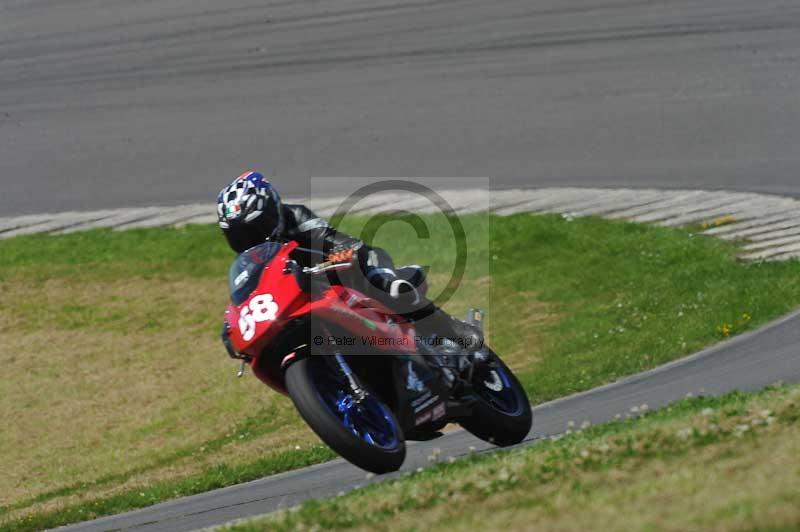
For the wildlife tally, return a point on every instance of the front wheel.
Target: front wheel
(502, 413)
(366, 432)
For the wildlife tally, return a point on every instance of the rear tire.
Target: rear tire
(500, 416)
(311, 385)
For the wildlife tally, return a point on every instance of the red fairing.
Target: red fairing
(367, 319)
(276, 295)
(278, 299)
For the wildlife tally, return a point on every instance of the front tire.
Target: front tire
(502, 413)
(366, 434)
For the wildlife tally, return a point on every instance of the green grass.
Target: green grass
(194, 251)
(632, 296)
(121, 331)
(727, 463)
(263, 422)
(217, 476)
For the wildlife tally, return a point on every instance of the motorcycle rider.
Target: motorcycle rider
(250, 212)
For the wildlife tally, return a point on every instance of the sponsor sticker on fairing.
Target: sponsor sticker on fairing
(241, 278)
(426, 404)
(422, 418)
(413, 382)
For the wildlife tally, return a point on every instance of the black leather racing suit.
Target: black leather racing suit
(313, 232)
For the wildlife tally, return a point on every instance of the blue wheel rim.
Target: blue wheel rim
(370, 420)
(505, 399)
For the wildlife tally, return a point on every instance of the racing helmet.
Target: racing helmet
(249, 211)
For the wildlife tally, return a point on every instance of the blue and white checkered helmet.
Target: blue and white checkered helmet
(249, 211)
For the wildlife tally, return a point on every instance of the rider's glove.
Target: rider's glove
(341, 255)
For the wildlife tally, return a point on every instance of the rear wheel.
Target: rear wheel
(502, 413)
(364, 432)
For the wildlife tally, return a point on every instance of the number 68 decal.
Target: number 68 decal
(261, 308)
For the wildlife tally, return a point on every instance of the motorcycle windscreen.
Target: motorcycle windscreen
(245, 272)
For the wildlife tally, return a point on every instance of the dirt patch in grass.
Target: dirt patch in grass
(114, 375)
(235, 453)
(173, 306)
(522, 339)
(516, 321)
(97, 368)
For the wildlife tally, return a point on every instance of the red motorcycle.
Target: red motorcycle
(356, 371)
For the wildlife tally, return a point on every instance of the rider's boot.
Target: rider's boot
(430, 319)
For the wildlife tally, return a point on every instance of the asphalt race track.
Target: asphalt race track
(747, 362)
(119, 103)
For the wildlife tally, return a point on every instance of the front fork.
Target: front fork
(359, 394)
(358, 391)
